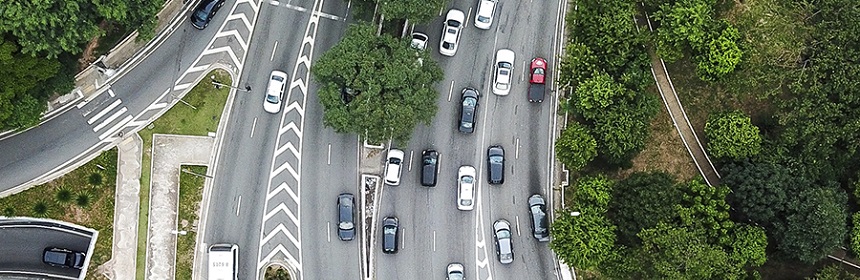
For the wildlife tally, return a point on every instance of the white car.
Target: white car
(419, 41)
(466, 188)
(451, 32)
(504, 72)
(484, 14)
(393, 167)
(277, 84)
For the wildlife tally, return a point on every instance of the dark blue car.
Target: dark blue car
(204, 12)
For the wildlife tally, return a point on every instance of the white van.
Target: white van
(223, 262)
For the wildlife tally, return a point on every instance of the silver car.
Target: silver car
(456, 271)
(504, 245)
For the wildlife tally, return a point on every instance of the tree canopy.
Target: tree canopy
(21, 102)
(575, 147)
(416, 11)
(52, 27)
(761, 190)
(640, 202)
(815, 225)
(732, 136)
(376, 86)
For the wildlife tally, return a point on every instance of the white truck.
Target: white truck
(223, 262)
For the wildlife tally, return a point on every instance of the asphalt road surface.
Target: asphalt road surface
(25, 242)
(257, 201)
(433, 232)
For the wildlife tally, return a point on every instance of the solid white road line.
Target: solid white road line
(329, 154)
(328, 231)
(517, 154)
(253, 126)
(274, 50)
(116, 127)
(238, 205)
(110, 119)
(112, 94)
(450, 90)
(434, 241)
(104, 111)
(468, 16)
(411, 154)
(518, 225)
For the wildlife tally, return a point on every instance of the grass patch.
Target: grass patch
(56, 200)
(190, 194)
(185, 120)
(664, 151)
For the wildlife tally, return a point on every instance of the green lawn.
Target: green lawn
(208, 103)
(84, 196)
(190, 194)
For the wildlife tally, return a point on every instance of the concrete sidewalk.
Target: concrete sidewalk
(169, 152)
(123, 261)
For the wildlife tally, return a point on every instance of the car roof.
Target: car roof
(505, 55)
(486, 8)
(456, 15)
(496, 150)
(395, 153)
(536, 199)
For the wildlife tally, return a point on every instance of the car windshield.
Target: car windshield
(346, 225)
(394, 161)
(483, 19)
(389, 230)
(469, 102)
(452, 23)
(271, 99)
(496, 159)
(505, 65)
(429, 160)
(448, 46)
(278, 78)
(467, 179)
(503, 234)
(200, 15)
(466, 202)
(538, 71)
(456, 275)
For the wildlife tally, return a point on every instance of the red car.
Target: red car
(537, 81)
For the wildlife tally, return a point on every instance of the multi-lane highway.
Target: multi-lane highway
(434, 232)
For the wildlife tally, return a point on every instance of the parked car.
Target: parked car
(539, 217)
(419, 41)
(456, 271)
(468, 110)
(390, 226)
(537, 82)
(275, 91)
(429, 167)
(346, 216)
(504, 72)
(204, 12)
(496, 164)
(451, 32)
(466, 188)
(66, 258)
(504, 245)
(484, 13)
(393, 167)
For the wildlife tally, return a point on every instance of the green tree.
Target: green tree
(20, 105)
(681, 253)
(733, 136)
(53, 27)
(417, 11)
(748, 247)
(575, 147)
(816, 224)
(593, 192)
(641, 201)
(391, 85)
(684, 26)
(595, 95)
(705, 208)
(855, 233)
(721, 55)
(833, 272)
(583, 241)
(761, 190)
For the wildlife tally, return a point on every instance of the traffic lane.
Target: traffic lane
(23, 248)
(329, 168)
(40, 150)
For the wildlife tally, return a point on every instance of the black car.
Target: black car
(204, 12)
(389, 235)
(63, 258)
(496, 164)
(346, 216)
(468, 110)
(429, 167)
(540, 223)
